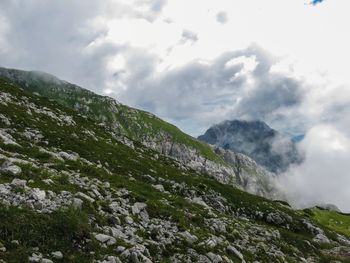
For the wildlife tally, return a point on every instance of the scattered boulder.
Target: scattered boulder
(68, 156)
(117, 233)
(149, 178)
(15, 242)
(233, 251)
(57, 254)
(129, 220)
(120, 249)
(48, 181)
(321, 238)
(105, 239)
(11, 168)
(18, 183)
(77, 203)
(274, 218)
(214, 258)
(35, 257)
(138, 207)
(114, 220)
(86, 197)
(111, 259)
(317, 232)
(38, 194)
(159, 187)
(188, 237)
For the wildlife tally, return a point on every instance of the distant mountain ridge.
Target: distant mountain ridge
(255, 139)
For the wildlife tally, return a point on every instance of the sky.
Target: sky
(197, 63)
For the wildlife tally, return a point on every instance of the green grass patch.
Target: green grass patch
(64, 230)
(333, 220)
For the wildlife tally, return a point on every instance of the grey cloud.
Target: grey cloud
(62, 38)
(150, 9)
(272, 93)
(188, 35)
(208, 93)
(222, 17)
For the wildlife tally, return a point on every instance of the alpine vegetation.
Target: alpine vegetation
(81, 183)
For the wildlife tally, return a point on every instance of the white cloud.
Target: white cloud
(324, 176)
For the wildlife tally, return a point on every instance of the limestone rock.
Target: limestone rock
(11, 168)
(57, 254)
(188, 237)
(105, 239)
(18, 183)
(233, 251)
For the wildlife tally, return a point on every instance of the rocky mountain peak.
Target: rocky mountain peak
(256, 139)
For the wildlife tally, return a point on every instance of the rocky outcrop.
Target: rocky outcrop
(235, 168)
(190, 157)
(249, 175)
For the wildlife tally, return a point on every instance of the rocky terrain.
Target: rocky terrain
(257, 140)
(75, 190)
(151, 131)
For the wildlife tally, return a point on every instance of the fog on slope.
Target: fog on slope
(324, 176)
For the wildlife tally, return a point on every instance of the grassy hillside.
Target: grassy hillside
(335, 221)
(70, 185)
(136, 124)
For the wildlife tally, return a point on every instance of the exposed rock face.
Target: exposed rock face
(266, 146)
(237, 169)
(188, 156)
(251, 176)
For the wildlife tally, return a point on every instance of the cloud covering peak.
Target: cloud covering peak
(238, 84)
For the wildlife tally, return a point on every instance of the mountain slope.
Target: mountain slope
(103, 109)
(146, 128)
(266, 146)
(78, 192)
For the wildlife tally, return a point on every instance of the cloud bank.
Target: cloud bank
(235, 85)
(324, 177)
